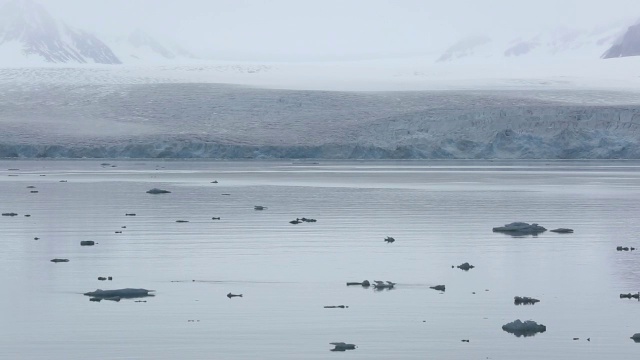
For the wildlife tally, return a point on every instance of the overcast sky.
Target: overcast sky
(333, 29)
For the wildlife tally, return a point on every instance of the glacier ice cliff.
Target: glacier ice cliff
(183, 120)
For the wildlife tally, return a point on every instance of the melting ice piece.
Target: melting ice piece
(119, 293)
(520, 228)
(527, 328)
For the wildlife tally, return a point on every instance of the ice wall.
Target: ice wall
(182, 120)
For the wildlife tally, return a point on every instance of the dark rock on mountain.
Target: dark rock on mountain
(28, 24)
(627, 45)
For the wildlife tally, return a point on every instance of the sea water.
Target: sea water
(440, 213)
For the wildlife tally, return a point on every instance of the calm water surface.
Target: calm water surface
(440, 213)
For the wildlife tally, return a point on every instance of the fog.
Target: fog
(294, 30)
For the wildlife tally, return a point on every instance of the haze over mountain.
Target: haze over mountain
(559, 44)
(30, 35)
(29, 32)
(119, 31)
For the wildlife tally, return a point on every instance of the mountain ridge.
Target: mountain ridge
(28, 23)
(29, 34)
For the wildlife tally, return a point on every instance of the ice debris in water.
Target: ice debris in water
(520, 228)
(527, 328)
(158, 191)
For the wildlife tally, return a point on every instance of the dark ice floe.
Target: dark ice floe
(562, 231)
(524, 300)
(381, 285)
(630, 296)
(625, 248)
(127, 293)
(520, 229)
(341, 346)
(466, 266)
(527, 328)
(158, 191)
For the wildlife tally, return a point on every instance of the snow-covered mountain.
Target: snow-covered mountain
(29, 34)
(562, 43)
(627, 45)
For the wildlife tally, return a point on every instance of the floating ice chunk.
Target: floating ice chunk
(520, 228)
(524, 300)
(527, 328)
(562, 231)
(158, 191)
(466, 266)
(340, 346)
(120, 293)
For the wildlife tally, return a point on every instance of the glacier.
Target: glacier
(102, 113)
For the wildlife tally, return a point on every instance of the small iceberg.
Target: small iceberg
(524, 300)
(630, 296)
(341, 346)
(625, 248)
(562, 231)
(527, 328)
(127, 293)
(158, 191)
(381, 285)
(520, 229)
(466, 266)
